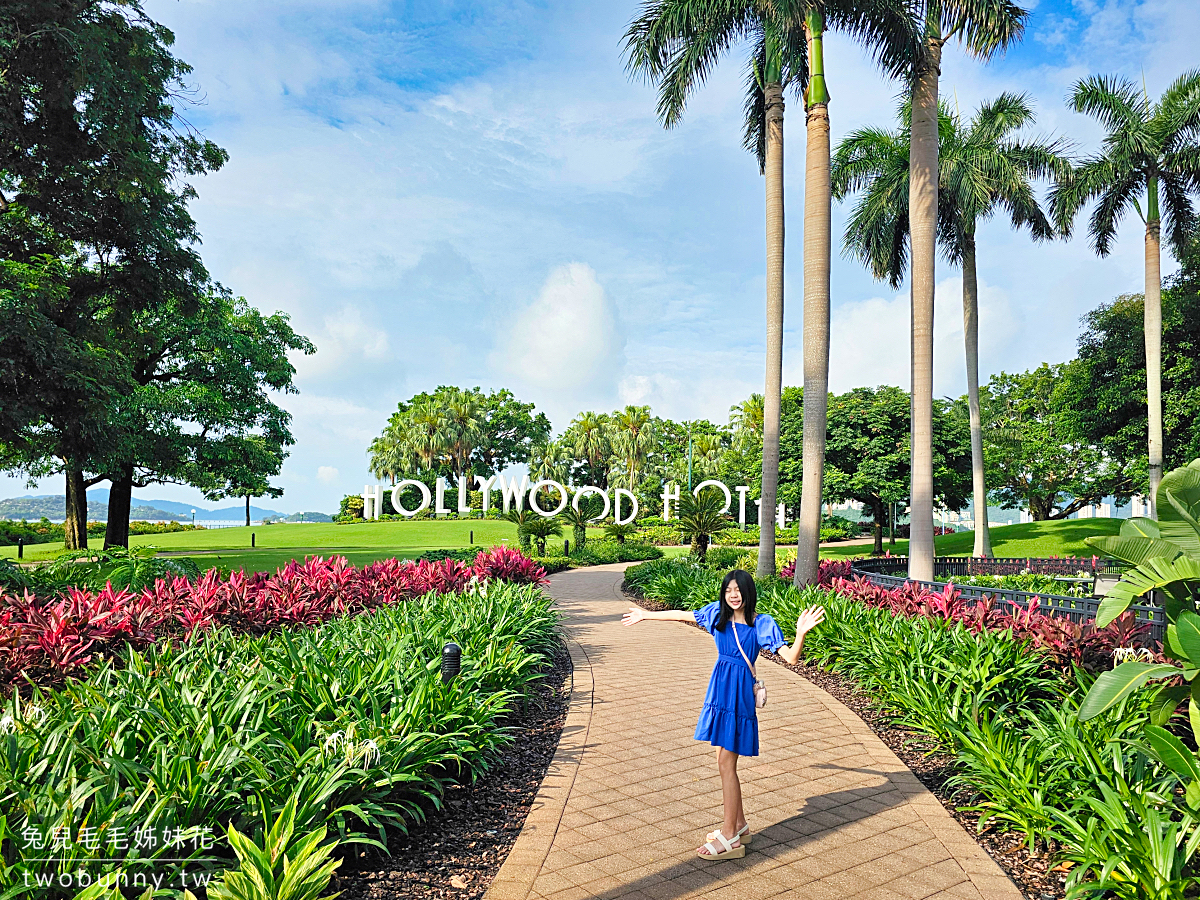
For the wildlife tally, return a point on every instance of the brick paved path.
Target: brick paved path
(630, 794)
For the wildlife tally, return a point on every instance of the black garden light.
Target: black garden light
(451, 661)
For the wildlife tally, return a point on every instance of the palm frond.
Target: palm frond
(1116, 102)
(1178, 214)
(987, 27)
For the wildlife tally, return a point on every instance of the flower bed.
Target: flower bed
(49, 638)
(347, 722)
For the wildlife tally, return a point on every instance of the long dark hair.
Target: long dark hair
(745, 584)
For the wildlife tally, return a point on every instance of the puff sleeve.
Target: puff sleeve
(706, 616)
(767, 630)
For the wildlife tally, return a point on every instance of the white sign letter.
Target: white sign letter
(728, 496)
(562, 503)
(464, 498)
(667, 496)
(513, 491)
(742, 491)
(485, 485)
(399, 489)
(440, 509)
(617, 494)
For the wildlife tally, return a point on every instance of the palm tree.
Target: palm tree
(463, 414)
(392, 454)
(521, 518)
(578, 519)
(1150, 149)
(539, 528)
(633, 435)
(700, 518)
(620, 532)
(985, 27)
(675, 44)
(983, 168)
(429, 433)
(589, 437)
(746, 419)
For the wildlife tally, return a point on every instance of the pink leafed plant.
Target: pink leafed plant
(49, 638)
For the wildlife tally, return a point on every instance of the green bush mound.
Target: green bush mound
(1090, 793)
(350, 720)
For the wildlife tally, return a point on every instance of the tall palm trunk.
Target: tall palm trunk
(983, 535)
(120, 497)
(773, 172)
(923, 204)
(1152, 325)
(818, 243)
(75, 526)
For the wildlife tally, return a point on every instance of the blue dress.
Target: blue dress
(729, 718)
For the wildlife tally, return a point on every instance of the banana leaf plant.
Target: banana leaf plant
(1165, 557)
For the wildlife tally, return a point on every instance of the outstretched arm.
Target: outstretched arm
(637, 614)
(809, 619)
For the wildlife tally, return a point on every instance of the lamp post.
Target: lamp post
(193, 518)
(689, 456)
(451, 661)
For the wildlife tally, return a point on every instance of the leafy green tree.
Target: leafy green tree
(1105, 386)
(199, 409)
(93, 169)
(455, 431)
(1151, 150)
(247, 464)
(1034, 454)
(985, 28)
(868, 458)
(589, 437)
(983, 167)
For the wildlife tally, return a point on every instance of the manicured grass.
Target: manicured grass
(277, 544)
(1060, 538)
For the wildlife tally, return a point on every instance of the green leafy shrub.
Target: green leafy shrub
(660, 535)
(599, 553)
(553, 564)
(462, 554)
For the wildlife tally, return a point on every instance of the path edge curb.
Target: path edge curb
(520, 869)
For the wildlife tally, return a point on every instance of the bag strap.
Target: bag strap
(733, 625)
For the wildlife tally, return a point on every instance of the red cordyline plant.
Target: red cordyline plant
(1066, 642)
(47, 639)
(827, 570)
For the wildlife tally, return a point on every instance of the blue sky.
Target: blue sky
(476, 193)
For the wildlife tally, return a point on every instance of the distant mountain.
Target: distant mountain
(55, 507)
(307, 517)
(152, 514)
(49, 507)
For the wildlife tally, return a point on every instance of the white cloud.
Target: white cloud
(568, 343)
(327, 474)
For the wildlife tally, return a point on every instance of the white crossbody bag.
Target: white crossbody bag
(760, 689)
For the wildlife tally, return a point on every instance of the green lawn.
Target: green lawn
(1061, 538)
(275, 545)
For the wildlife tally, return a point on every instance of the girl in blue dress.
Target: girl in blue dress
(729, 720)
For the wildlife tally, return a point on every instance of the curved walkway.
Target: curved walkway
(630, 794)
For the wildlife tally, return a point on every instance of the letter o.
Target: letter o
(426, 497)
(713, 483)
(591, 489)
(562, 504)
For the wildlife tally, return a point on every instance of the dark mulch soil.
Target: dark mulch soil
(1037, 877)
(457, 851)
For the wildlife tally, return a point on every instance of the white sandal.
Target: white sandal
(730, 851)
(743, 833)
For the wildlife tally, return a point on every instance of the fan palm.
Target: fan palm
(700, 518)
(589, 437)
(620, 532)
(983, 168)
(540, 528)
(985, 27)
(463, 414)
(429, 435)
(675, 44)
(633, 436)
(392, 454)
(1151, 150)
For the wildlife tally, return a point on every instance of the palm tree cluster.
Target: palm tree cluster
(926, 185)
(432, 433)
